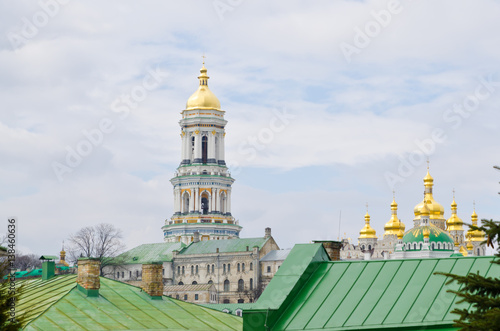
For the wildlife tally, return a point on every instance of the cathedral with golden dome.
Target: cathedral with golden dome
(202, 182)
(432, 235)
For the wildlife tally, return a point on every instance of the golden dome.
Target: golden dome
(426, 232)
(367, 231)
(454, 223)
(475, 235)
(203, 98)
(463, 251)
(425, 211)
(400, 234)
(469, 245)
(394, 225)
(436, 209)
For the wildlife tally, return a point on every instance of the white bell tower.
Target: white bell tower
(202, 183)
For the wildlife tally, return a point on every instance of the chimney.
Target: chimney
(332, 248)
(48, 266)
(268, 233)
(152, 280)
(196, 236)
(88, 280)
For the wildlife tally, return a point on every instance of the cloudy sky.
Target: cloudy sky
(330, 105)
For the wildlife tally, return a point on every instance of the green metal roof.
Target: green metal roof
(160, 252)
(38, 294)
(58, 305)
(224, 246)
(232, 307)
(363, 295)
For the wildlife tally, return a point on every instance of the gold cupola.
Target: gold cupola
(454, 223)
(367, 232)
(475, 235)
(436, 209)
(394, 225)
(203, 98)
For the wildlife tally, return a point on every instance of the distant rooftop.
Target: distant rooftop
(224, 246)
(277, 255)
(146, 253)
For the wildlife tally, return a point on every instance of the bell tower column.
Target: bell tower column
(197, 147)
(222, 156)
(211, 148)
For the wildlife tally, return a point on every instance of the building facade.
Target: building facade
(202, 182)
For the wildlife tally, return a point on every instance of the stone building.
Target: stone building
(270, 264)
(232, 265)
(199, 293)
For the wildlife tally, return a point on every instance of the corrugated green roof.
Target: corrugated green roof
(224, 246)
(38, 294)
(119, 306)
(365, 295)
(160, 252)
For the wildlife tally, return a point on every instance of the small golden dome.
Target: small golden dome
(436, 209)
(394, 225)
(428, 180)
(401, 234)
(469, 245)
(426, 232)
(475, 235)
(463, 251)
(454, 223)
(367, 231)
(425, 211)
(203, 98)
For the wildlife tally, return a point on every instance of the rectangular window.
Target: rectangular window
(196, 296)
(130, 274)
(185, 296)
(268, 268)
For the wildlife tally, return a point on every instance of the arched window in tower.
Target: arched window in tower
(210, 282)
(213, 265)
(185, 202)
(204, 148)
(192, 148)
(204, 203)
(192, 270)
(226, 285)
(478, 252)
(241, 285)
(223, 203)
(216, 147)
(251, 284)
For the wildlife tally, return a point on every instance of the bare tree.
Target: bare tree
(103, 241)
(27, 261)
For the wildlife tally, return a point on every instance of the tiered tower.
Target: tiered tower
(367, 236)
(202, 183)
